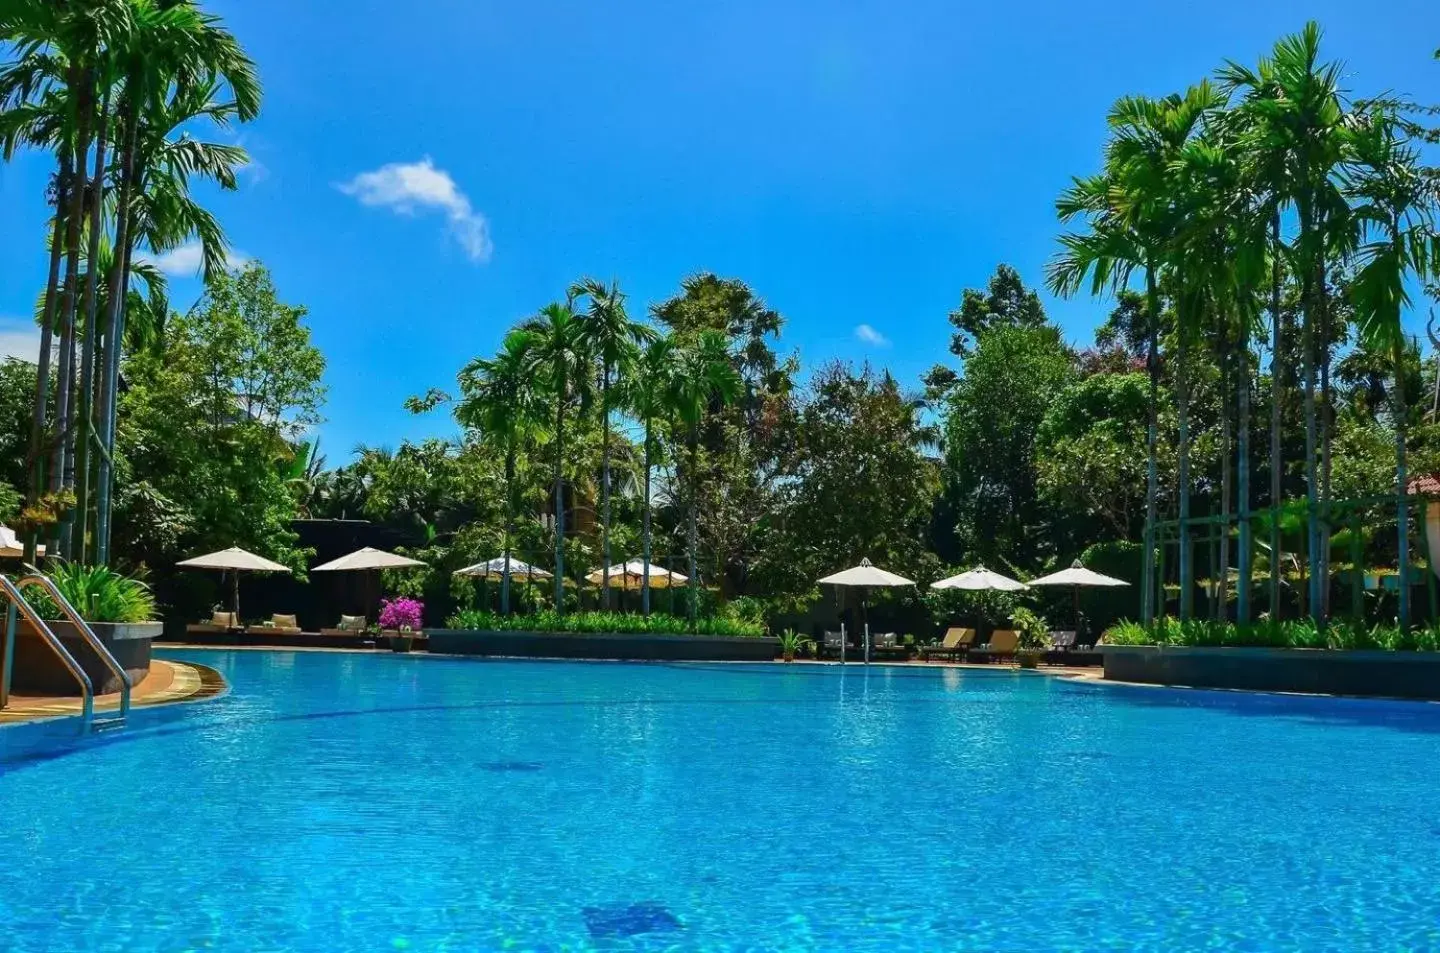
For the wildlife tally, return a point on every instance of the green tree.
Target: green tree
(990, 456)
(561, 362)
(652, 396)
(1004, 302)
(704, 376)
(613, 339)
(499, 400)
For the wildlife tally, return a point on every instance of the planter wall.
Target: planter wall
(690, 648)
(1382, 674)
(38, 671)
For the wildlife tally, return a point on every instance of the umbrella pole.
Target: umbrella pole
(235, 597)
(865, 617)
(1076, 590)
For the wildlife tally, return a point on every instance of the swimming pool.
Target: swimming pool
(364, 802)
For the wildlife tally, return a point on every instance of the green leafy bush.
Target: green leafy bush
(1340, 634)
(1034, 631)
(657, 623)
(98, 593)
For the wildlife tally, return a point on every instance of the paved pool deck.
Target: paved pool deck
(167, 683)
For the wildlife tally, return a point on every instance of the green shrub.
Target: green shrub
(1340, 634)
(1034, 631)
(657, 623)
(98, 593)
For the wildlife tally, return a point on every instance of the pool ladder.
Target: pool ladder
(13, 591)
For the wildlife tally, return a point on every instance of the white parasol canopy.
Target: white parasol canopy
(234, 560)
(12, 545)
(631, 575)
(1078, 575)
(979, 579)
(368, 558)
(495, 569)
(864, 576)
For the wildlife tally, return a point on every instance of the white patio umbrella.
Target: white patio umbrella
(1077, 576)
(980, 579)
(863, 577)
(369, 560)
(631, 575)
(235, 561)
(495, 568)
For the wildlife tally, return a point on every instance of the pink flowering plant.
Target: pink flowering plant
(401, 613)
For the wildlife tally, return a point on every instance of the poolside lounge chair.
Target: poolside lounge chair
(278, 625)
(349, 625)
(956, 644)
(1002, 645)
(1062, 641)
(220, 622)
(888, 644)
(831, 644)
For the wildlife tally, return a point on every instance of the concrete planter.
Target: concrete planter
(1321, 671)
(38, 671)
(626, 647)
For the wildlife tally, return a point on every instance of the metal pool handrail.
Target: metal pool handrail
(18, 603)
(88, 634)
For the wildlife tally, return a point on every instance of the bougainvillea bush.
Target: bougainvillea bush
(401, 613)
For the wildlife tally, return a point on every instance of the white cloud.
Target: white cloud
(187, 260)
(20, 338)
(409, 187)
(864, 332)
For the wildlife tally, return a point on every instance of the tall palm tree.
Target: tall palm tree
(1298, 118)
(560, 361)
(1395, 204)
(613, 339)
(1132, 220)
(651, 395)
(705, 377)
(498, 398)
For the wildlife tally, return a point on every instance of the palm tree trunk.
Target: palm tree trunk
(509, 527)
(1326, 432)
(1182, 395)
(1276, 453)
(645, 528)
(115, 330)
(1312, 481)
(694, 535)
(1152, 479)
(605, 485)
(1245, 545)
(87, 354)
(47, 342)
(61, 463)
(1221, 609)
(560, 499)
(1402, 496)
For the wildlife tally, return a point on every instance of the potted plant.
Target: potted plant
(400, 619)
(1034, 637)
(792, 642)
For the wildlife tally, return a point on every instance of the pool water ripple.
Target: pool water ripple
(350, 802)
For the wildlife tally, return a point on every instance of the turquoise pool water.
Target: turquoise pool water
(352, 802)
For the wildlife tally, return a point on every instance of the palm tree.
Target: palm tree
(613, 339)
(1297, 119)
(1133, 220)
(499, 400)
(561, 362)
(705, 375)
(651, 396)
(1396, 203)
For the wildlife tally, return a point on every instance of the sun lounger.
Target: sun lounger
(349, 625)
(888, 644)
(278, 625)
(1002, 645)
(831, 644)
(220, 622)
(956, 644)
(1062, 641)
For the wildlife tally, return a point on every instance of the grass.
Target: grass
(600, 623)
(1341, 634)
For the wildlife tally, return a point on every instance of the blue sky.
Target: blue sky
(427, 173)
